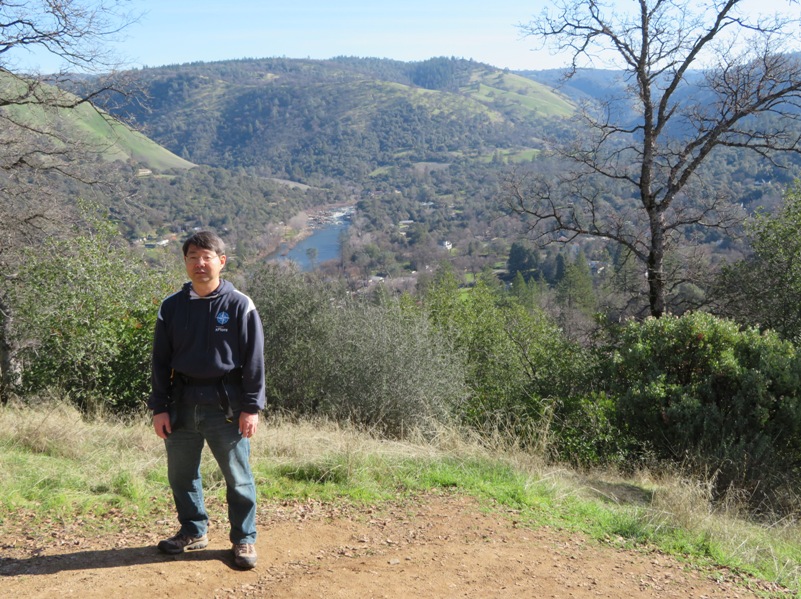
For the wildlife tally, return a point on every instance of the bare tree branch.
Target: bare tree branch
(40, 158)
(699, 78)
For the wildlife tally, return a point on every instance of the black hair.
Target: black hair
(205, 240)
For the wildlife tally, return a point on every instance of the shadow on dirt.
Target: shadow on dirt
(106, 558)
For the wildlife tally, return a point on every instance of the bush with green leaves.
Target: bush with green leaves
(700, 391)
(299, 320)
(763, 290)
(586, 432)
(477, 328)
(84, 312)
(329, 353)
(523, 374)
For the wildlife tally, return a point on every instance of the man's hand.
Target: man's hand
(161, 422)
(248, 424)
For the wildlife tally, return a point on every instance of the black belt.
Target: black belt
(233, 377)
(229, 378)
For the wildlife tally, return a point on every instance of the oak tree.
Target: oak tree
(699, 78)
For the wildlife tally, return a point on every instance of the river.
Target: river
(324, 239)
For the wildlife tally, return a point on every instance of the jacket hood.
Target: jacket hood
(224, 288)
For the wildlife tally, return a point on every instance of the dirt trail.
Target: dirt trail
(441, 546)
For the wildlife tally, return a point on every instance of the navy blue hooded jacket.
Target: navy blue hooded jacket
(205, 338)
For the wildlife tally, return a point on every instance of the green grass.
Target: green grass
(513, 156)
(55, 466)
(94, 132)
(529, 97)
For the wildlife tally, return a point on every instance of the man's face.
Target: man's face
(203, 266)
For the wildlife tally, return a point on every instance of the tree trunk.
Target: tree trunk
(656, 286)
(10, 370)
(655, 268)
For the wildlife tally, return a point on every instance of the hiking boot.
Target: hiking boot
(181, 542)
(245, 555)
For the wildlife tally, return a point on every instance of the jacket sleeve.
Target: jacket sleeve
(161, 368)
(252, 342)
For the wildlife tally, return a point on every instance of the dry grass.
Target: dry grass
(723, 530)
(288, 440)
(57, 429)
(660, 502)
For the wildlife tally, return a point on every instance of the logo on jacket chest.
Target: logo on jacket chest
(222, 320)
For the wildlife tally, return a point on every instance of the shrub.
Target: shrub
(523, 373)
(299, 320)
(331, 354)
(85, 309)
(476, 326)
(585, 431)
(392, 371)
(697, 389)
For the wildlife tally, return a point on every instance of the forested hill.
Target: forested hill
(312, 121)
(427, 142)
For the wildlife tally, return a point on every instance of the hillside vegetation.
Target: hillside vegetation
(342, 118)
(435, 142)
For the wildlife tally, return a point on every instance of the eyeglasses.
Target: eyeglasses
(201, 257)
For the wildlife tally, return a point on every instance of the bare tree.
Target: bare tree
(35, 146)
(699, 78)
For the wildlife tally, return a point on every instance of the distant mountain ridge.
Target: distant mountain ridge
(307, 120)
(415, 141)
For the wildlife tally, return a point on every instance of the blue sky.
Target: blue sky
(399, 29)
(178, 31)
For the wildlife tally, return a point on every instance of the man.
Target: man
(208, 386)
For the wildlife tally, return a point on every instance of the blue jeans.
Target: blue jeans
(195, 425)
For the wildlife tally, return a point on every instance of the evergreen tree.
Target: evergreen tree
(527, 293)
(559, 270)
(575, 290)
(522, 259)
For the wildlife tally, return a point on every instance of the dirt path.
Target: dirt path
(432, 547)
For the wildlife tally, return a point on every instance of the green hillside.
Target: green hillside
(310, 120)
(515, 95)
(57, 116)
(117, 141)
